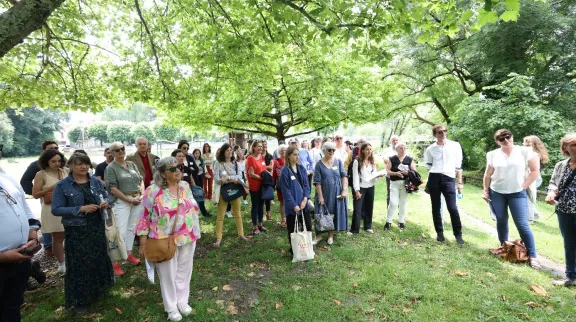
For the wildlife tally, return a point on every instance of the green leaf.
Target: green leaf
(485, 17)
(509, 16)
(512, 5)
(316, 11)
(466, 16)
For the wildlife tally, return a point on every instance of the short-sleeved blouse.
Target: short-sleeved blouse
(160, 209)
(259, 166)
(509, 170)
(568, 195)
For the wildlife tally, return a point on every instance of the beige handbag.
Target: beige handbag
(116, 246)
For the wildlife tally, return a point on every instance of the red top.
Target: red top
(147, 170)
(277, 168)
(258, 165)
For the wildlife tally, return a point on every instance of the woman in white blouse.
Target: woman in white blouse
(505, 184)
(364, 173)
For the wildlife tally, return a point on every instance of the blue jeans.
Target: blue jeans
(47, 240)
(518, 204)
(567, 223)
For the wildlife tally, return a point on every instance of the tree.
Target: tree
(6, 132)
(138, 112)
(75, 134)
(32, 126)
(166, 132)
(142, 130)
(120, 131)
(98, 131)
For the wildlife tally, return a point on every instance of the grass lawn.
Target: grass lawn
(394, 276)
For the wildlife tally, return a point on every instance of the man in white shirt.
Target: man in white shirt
(342, 149)
(444, 162)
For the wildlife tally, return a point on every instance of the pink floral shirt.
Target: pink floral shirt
(160, 209)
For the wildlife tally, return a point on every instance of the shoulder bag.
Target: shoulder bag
(514, 252)
(324, 220)
(301, 242)
(231, 190)
(47, 199)
(160, 250)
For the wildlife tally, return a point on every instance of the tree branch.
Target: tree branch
(442, 110)
(423, 120)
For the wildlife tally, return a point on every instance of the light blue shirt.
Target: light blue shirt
(14, 214)
(305, 160)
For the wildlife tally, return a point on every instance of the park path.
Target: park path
(548, 265)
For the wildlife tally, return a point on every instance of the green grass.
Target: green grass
(394, 276)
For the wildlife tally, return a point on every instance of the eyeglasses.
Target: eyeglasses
(53, 148)
(338, 138)
(10, 199)
(331, 150)
(442, 131)
(121, 149)
(184, 148)
(173, 169)
(504, 138)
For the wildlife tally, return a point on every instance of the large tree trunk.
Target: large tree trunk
(22, 19)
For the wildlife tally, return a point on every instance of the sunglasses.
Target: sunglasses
(338, 138)
(331, 150)
(121, 149)
(173, 169)
(504, 138)
(442, 131)
(184, 148)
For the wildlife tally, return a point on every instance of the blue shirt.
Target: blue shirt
(14, 215)
(292, 190)
(306, 160)
(67, 200)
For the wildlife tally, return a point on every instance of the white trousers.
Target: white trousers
(127, 216)
(398, 196)
(175, 275)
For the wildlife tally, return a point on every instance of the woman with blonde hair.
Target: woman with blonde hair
(534, 142)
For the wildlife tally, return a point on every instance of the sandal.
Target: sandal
(217, 243)
(534, 263)
(255, 231)
(283, 223)
(244, 238)
(268, 216)
(262, 228)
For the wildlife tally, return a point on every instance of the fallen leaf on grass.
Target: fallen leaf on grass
(540, 290)
(336, 302)
(27, 305)
(407, 308)
(118, 310)
(251, 274)
(414, 299)
(355, 285)
(492, 276)
(532, 304)
(296, 287)
(147, 319)
(278, 306)
(92, 316)
(325, 248)
(503, 297)
(60, 309)
(227, 288)
(423, 235)
(403, 244)
(395, 274)
(215, 289)
(461, 273)
(220, 303)
(232, 309)
(211, 311)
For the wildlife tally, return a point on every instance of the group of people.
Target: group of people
(156, 199)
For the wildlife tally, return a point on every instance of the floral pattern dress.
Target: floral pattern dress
(160, 211)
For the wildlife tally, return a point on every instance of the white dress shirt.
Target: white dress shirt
(445, 159)
(509, 171)
(341, 153)
(363, 177)
(14, 214)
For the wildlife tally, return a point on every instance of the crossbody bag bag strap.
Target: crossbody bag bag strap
(176, 215)
(297, 178)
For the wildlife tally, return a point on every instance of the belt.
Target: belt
(135, 194)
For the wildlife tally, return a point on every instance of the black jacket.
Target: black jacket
(27, 180)
(267, 179)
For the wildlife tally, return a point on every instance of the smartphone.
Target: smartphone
(31, 251)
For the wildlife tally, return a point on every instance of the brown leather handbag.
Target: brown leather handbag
(514, 252)
(47, 199)
(160, 250)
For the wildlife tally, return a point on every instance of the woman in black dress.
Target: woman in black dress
(81, 200)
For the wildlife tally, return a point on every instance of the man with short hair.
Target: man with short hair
(143, 160)
(18, 234)
(27, 182)
(444, 162)
(342, 149)
(100, 168)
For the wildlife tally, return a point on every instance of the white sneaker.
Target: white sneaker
(370, 231)
(564, 282)
(330, 240)
(349, 233)
(245, 202)
(316, 241)
(174, 316)
(62, 269)
(228, 214)
(185, 309)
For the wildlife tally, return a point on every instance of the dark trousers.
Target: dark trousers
(438, 185)
(13, 279)
(363, 208)
(257, 210)
(567, 224)
(268, 205)
(291, 222)
(387, 192)
(202, 207)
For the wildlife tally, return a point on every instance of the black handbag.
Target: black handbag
(230, 190)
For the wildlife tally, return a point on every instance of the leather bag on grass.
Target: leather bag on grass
(514, 252)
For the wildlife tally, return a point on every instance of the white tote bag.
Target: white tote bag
(301, 242)
(116, 245)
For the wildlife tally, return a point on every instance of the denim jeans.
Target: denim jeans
(257, 210)
(438, 185)
(567, 223)
(46, 240)
(518, 204)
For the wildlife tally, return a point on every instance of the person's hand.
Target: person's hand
(321, 200)
(303, 203)
(486, 195)
(551, 197)
(89, 208)
(31, 243)
(135, 202)
(357, 195)
(104, 205)
(399, 174)
(344, 193)
(296, 209)
(142, 249)
(14, 256)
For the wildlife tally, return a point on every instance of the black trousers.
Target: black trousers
(363, 208)
(257, 210)
(13, 279)
(439, 184)
(291, 221)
